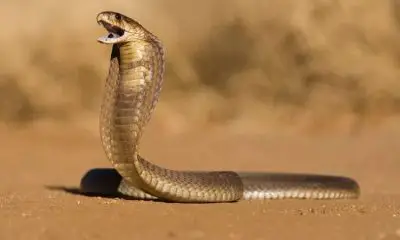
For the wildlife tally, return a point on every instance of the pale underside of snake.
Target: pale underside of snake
(132, 89)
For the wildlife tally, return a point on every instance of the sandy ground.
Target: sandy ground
(38, 163)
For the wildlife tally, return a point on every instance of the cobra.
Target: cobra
(132, 89)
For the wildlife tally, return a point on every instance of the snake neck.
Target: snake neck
(132, 89)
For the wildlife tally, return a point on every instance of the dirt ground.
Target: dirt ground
(38, 163)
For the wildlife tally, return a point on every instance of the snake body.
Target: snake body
(132, 89)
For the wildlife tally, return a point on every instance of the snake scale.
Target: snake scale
(132, 90)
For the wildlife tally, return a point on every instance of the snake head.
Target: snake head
(120, 28)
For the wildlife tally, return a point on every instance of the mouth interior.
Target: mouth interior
(113, 31)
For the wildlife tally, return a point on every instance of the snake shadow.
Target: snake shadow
(99, 182)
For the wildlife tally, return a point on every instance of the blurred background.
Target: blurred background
(249, 66)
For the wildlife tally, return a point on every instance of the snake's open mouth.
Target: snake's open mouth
(114, 35)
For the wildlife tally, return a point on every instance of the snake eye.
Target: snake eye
(118, 17)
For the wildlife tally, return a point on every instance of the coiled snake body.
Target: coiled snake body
(131, 93)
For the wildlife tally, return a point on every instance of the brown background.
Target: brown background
(291, 86)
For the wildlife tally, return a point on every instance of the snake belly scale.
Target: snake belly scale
(132, 89)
